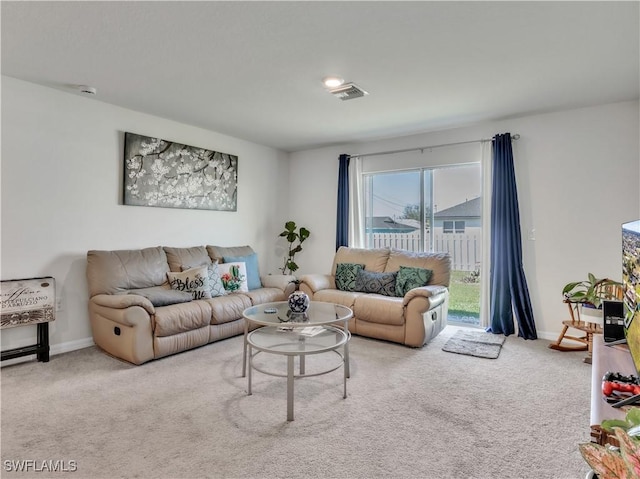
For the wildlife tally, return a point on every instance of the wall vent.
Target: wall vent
(348, 91)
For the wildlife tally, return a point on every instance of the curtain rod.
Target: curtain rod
(421, 148)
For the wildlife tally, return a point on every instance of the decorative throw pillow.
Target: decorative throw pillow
(380, 283)
(163, 297)
(215, 280)
(234, 277)
(194, 281)
(251, 263)
(346, 275)
(216, 288)
(409, 278)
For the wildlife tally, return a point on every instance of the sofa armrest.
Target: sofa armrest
(125, 332)
(123, 301)
(419, 325)
(317, 282)
(434, 293)
(280, 281)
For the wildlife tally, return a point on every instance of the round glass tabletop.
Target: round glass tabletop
(318, 313)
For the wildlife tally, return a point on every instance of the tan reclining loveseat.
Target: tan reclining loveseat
(412, 319)
(127, 325)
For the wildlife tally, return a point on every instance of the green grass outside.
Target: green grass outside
(464, 298)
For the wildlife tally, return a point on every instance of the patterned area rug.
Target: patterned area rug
(475, 343)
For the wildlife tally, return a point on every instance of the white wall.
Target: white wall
(578, 175)
(61, 196)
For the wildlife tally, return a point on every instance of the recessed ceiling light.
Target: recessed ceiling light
(332, 82)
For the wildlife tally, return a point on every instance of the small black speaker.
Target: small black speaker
(613, 312)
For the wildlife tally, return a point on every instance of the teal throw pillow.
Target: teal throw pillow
(409, 278)
(251, 262)
(380, 283)
(346, 275)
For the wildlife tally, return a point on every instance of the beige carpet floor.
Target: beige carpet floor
(410, 413)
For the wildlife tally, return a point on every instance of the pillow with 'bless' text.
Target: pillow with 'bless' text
(194, 281)
(216, 288)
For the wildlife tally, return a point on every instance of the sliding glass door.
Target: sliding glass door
(432, 209)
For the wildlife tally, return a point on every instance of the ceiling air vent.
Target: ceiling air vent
(348, 91)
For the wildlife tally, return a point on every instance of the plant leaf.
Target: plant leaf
(607, 464)
(634, 432)
(609, 424)
(291, 237)
(633, 416)
(304, 234)
(630, 452)
(577, 297)
(570, 286)
(290, 226)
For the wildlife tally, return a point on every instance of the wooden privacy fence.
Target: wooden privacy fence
(465, 249)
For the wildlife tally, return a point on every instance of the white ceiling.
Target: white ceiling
(253, 70)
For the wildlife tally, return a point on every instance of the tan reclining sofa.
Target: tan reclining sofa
(413, 319)
(127, 325)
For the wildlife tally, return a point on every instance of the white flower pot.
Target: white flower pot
(591, 315)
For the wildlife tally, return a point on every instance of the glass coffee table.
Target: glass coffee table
(295, 335)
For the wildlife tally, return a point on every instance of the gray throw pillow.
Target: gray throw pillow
(163, 297)
(379, 283)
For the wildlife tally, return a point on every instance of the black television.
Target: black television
(631, 283)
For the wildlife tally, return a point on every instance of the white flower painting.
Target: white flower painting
(172, 175)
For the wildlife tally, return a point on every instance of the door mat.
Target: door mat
(475, 343)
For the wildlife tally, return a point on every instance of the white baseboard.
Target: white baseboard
(54, 349)
(88, 342)
(551, 336)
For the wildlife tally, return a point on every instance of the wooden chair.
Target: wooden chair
(579, 322)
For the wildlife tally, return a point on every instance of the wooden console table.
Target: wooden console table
(28, 302)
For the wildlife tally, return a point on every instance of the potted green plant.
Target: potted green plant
(591, 291)
(616, 462)
(588, 295)
(293, 235)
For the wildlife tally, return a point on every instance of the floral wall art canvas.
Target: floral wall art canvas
(166, 174)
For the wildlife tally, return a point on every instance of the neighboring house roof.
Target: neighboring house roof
(468, 209)
(388, 225)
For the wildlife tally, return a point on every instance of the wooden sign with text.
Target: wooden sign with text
(27, 301)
